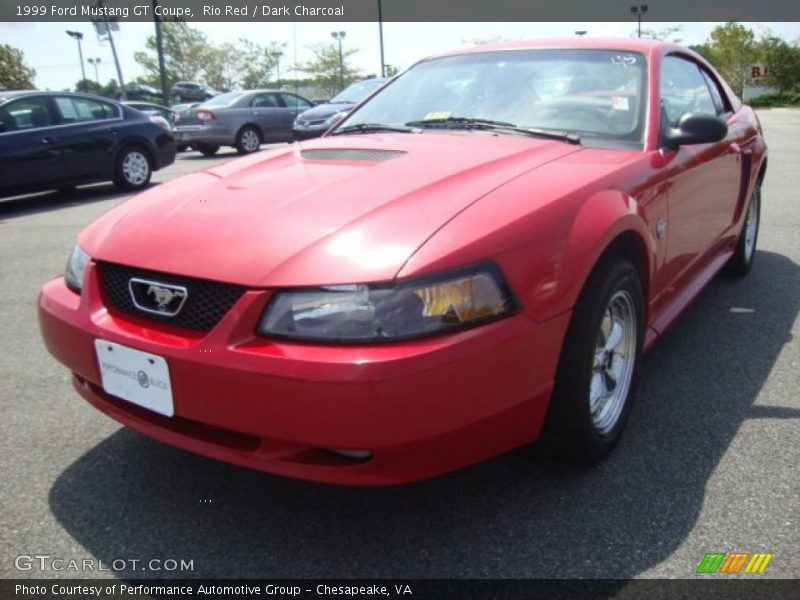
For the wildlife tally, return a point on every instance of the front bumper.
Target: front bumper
(420, 408)
(307, 132)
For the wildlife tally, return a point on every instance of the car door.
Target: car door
(703, 179)
(270, 115)
(29, 154)
(294, 105)
(88, 135)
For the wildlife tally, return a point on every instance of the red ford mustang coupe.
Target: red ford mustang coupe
(478, 255)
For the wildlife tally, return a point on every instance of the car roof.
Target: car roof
(8, 95)
(642, 45)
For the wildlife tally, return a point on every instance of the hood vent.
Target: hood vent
(357, 154)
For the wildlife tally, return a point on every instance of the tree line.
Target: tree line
(190, 56)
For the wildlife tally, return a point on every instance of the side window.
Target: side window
(25, 113)
(683, 90)
(265, 101)
(293, 101)
(78, 110)
(716, 95)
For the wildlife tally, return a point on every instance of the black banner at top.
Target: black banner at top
(397, 10)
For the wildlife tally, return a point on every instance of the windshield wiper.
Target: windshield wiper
(371, 127)
(489, 125)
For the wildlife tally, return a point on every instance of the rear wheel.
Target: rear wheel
(599, 363)
(133, 169)
(742, 259)
(207, 150)
(248, 140)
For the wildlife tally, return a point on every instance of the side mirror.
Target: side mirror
(2, 128)
(695, 128)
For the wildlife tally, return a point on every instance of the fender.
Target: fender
(602, 218)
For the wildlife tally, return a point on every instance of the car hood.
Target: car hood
(323, 111)
(340, 209)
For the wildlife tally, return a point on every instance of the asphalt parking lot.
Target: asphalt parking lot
(710, 460)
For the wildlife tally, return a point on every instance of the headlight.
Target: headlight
(374, 313)
(334, 119)
(76, 268)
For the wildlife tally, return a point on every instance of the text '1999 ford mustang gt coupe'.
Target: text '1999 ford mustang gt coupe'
(476, 256)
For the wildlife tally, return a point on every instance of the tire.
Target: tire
(133, 168)
(207, 150)
(603, 348)
(248, 140)
(741, 262)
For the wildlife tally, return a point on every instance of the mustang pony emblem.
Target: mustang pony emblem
(156, 297)
(163, 296)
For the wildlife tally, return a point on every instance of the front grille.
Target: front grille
(206, 301)
(359, 154)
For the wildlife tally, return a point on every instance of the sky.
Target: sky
(54, 55)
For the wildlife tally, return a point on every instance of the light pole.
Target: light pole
(95, 62)
(581, 33)
(339, 36)
(639, 11)
(276, 54)
(78, 36)
(162, 69)
(380, 34)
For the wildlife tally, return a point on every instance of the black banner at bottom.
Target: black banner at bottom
(485, 589)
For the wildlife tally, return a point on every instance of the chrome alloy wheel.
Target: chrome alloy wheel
(614, 359)
(250, 141)
(135, 167)
(751, 225)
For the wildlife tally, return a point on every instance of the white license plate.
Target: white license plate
(135, 376)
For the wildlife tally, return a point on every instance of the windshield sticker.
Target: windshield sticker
(620, 103)
(439, 114)
(625, 60)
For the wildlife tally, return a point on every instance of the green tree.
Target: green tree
(14, 73)
(782, 61)
(391, 70)
(88, 86)
(732, 48)
(187, 54)
(324, 68)
(259, 63)
(665, 34)
(223, 66)
(110, 89)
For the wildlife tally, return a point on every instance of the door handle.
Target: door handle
(47, 141)
(114, 131)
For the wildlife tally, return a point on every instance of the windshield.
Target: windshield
(356, 92)
(597, 94)
(224, 99)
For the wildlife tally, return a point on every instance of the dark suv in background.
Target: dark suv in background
(188, 91)
(57, 140)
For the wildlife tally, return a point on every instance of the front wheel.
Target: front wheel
(741, 262)
(133, 169)
(599, 363)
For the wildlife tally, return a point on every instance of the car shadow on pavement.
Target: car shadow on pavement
(522, 515)
(20, 206)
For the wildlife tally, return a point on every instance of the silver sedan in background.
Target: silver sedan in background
(244, 120)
